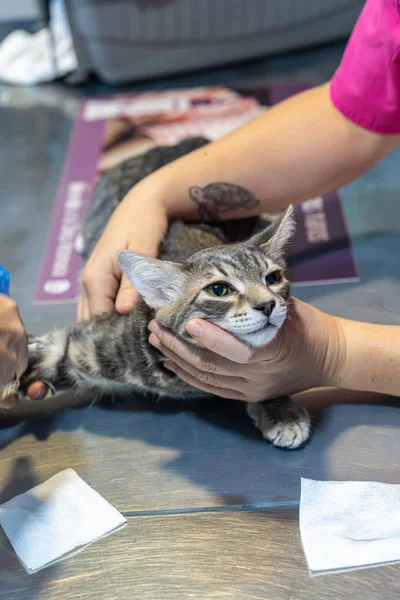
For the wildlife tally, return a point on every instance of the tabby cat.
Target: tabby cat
(239, 286)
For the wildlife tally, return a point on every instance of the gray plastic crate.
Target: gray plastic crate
(127, 40)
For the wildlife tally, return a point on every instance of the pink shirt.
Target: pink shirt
(366, 86)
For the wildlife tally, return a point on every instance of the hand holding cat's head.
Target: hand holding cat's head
(239, 287)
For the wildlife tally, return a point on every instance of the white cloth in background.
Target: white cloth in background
(55, 519)
(27, 59)
(349, 524)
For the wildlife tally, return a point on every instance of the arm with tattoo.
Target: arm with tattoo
(217, 198)
(297, 150)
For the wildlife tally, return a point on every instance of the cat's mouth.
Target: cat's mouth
(266, 325)
(259, 336)
(257, 329)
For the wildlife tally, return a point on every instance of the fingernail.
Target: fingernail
(169, 365)
(37, 391)
(154, 328)
(195, 329)
(154, 341)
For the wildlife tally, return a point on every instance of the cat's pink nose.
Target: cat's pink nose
(266, 307)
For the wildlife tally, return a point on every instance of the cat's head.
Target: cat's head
(239, 287)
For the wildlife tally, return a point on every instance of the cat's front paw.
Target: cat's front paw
(284, 423)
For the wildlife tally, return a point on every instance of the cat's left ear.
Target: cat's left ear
(274, 240)
(159, 282)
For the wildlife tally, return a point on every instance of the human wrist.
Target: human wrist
(151, 191)
(323, 344)
(334, 351)
(371, 357)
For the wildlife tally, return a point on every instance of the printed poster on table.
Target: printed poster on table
(109, 130)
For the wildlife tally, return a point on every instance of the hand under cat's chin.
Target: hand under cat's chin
(258, 338)
(261, 337)
(262, 334)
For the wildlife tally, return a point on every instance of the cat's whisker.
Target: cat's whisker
(197, 349)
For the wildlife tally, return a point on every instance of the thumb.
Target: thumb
(220, 342)
(126, 298)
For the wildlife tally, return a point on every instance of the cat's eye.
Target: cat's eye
(273, 278)
(218, 289)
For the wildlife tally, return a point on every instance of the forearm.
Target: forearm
(370, 357)
(297, 150)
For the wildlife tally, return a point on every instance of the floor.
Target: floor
(212, 509)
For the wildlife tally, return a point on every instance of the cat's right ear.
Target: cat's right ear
(274, 240)
(159, 282)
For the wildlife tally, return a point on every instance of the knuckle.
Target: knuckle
(88, 276)
(9, 368)
(12, 305)
(170, 345)
(22, 366)
(207, 378)
(182, 375)
(22, 341)
(246, 356)
(9, 308)
(20, 331)
(206, 366)
(16, 334)
(168, 353)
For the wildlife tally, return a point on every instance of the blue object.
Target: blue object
(4, 281)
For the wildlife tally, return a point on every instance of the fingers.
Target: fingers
(126, 298)
(99, 290)
(208, 376)
(20, 344)
(203, 360)
(98, 295)
(83, 312)
(79, 308)
(100, 299)
(9, 402)
(220, 342)
(13, 342)
(22, 360)
(134, 225)
(216, 390)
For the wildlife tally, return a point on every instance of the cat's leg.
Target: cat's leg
(62, 359)
(282, 422)
(46, 361)
(96, 356)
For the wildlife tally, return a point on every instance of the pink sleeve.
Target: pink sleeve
(366, 86)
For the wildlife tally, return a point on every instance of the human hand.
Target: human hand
(306, 353)
(14, 351)
(13, 346)
(139, 223)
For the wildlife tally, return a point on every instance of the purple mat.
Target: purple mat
(321, 250)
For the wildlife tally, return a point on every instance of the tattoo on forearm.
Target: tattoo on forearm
(217, 198)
